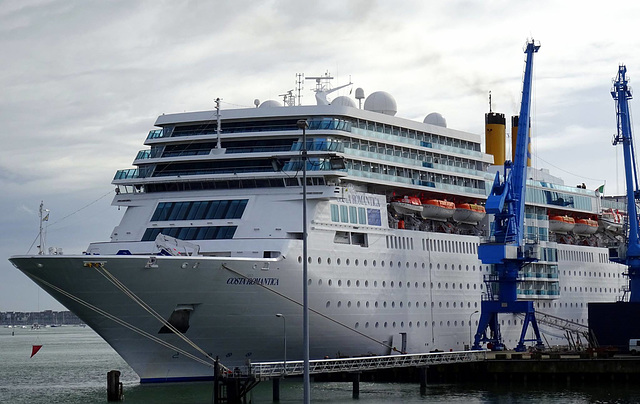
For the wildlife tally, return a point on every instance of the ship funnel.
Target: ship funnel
(514, 138)
(494, 131)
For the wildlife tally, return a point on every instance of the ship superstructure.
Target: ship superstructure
(211, 240)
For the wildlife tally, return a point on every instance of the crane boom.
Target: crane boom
(507, 250)
(621, 93)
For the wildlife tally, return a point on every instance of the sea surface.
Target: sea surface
(73, 363)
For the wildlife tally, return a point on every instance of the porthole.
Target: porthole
(377, 324)
(402, 324)
(366, 325)
(356, 262)
(348, 282)
(328, 304)
(364, 263)
(309, 260)
(339, 282)
(347, 261)
(390, 264)
(357, 283)
(330, 282)
(445, 267)
(349, 303)
(384, 284)
(339, 303)
(367, 304)
(366, 284)
(357, 325)
(299, 260)
(385, 324)
(394, 324)
(382, 264)
(384, 304)
(392, 283)
(374, 263)
(319, 260)
(358, 303)
(338, 261)
(319, 282)
(393, 304)
(328, 261)
(376, 304)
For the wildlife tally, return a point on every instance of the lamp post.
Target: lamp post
(303, 124)
(284, 329)
(470, 337)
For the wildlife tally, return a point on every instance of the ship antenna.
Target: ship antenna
(218, 149)
(489, 101)
(299, 82)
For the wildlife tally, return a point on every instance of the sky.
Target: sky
(82, 83)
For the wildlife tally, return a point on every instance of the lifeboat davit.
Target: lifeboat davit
(437, 209)
(470, 213)
(561, 224)
(611, 220)
(406, 205)
(585, 226)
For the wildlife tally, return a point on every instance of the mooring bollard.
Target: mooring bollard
(114, 386)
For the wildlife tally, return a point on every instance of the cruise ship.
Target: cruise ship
(207, 260)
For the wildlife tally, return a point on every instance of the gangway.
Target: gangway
(362, 364)
(568, 326)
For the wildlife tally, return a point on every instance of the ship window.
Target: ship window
(200, 210)
(344, 214)
(353, 214)
(191, 233)
(362, 216)
(335, 213)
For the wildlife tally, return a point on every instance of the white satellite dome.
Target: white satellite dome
(270, 104)
(435, 118)
(381, 102)
(344, 101)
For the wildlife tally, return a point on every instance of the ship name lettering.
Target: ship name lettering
(361, 199)
(254, 281)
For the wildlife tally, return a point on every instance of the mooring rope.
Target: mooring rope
(124, 323)
(116, 282)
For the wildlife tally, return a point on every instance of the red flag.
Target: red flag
(35, 349)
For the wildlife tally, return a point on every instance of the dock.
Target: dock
(439, 367)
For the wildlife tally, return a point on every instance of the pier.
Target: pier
(231, 386)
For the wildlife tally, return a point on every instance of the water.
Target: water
(72, 365)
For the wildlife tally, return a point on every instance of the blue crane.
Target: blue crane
(629, 254)
(507, 249)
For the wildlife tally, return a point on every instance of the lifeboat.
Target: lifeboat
(470, 213)
(437, 209)
(585, 226)
(406, 205)
(611, 220)
(561, 224)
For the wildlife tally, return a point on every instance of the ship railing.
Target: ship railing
(294, 368)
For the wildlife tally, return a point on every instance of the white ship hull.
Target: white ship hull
(361, 302)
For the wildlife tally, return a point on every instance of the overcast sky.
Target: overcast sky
(83, 82)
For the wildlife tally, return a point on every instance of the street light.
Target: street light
(284, 328)
(471, 338)
(303, 124)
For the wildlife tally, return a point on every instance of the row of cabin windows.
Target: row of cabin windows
(191, 233)
(419, 156)
(200, 210)
(420, 177)
(355, 215)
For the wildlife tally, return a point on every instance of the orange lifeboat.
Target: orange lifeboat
(437, 209)
(406, 205)
(585, 226)
(470, 213)
(561, 224)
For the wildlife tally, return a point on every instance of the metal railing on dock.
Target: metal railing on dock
(265, 370)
